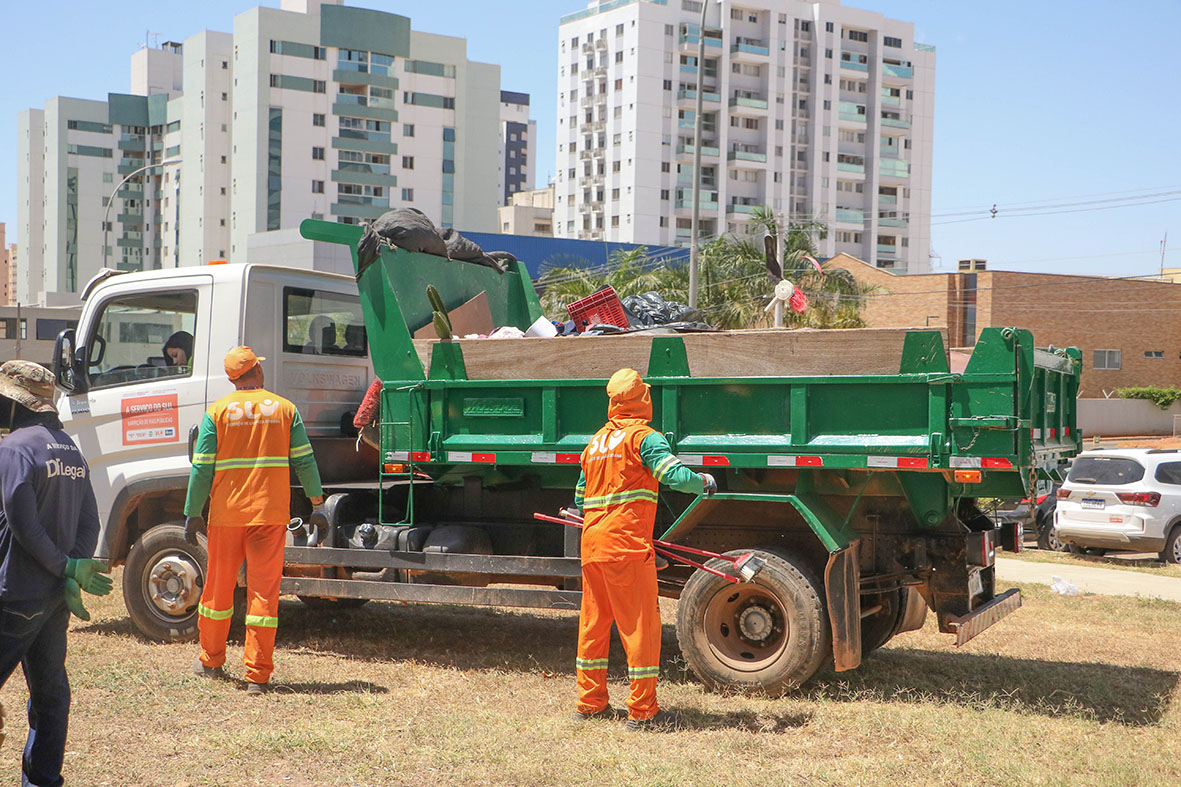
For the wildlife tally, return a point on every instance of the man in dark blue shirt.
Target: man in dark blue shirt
(48, 531)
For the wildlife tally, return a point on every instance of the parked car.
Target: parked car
(1043, 521)
(1126, 499)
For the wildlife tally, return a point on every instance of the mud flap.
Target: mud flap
(841, 585)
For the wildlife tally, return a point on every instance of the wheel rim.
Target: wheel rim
(172, 584)
(1177, 550)
(746, 627)
(1052, 539)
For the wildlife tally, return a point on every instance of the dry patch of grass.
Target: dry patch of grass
(1139, 563)
(1080, 690)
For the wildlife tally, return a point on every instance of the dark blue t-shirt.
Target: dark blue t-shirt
(48, 508)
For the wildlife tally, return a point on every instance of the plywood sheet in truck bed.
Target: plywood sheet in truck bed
(755, 353)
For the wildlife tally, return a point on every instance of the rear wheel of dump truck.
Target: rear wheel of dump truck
(162, 584)
(770, 634)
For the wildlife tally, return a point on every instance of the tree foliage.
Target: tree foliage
(733, 284)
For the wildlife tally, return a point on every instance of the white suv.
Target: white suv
(1123, 498)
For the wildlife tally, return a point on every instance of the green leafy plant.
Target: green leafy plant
(1162, 396)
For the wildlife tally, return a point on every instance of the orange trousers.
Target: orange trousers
(623, 592)
(262, 548)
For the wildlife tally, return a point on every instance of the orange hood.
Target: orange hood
(631, 399)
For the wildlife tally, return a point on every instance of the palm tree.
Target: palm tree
(733, 282)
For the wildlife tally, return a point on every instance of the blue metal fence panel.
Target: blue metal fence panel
(541, 253)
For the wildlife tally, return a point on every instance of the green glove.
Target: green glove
(90, 575)
(73, 595)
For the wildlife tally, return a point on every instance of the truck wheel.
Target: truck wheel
(880, 627)
(770, 634)
(162, 584)
(1172, 551)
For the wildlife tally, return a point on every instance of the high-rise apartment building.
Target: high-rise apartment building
(311, 110)
(518, 135)
(818, 111)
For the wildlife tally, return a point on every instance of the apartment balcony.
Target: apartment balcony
(586, 155)
(689, 40)
(706, 150)
(132, 143)
(893, 223)
(850, 216)
(887, 249)
(894, 101)
(894, 167)
(600, 44)
(350, 98)
(895, 123)
(130, 218)
(851, 66)
(753, 102)
(887, 199)
(586, 101)
(588, 47)
(131, 191)
(126, 167)
(691, 95)
(749, 46)
(601, 72)
(848, 166)
(740, 208)
(746, 155)
(899, 72)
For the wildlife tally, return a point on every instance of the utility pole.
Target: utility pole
(695, 222)
(1164, 242)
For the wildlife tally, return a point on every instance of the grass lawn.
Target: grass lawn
(1068, 690)
(1121, 562)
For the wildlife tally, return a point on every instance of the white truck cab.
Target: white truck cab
(145, 362)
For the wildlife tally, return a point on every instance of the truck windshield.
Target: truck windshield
(1105, 470)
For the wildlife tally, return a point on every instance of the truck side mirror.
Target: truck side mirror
(192, 441)
(63, 359)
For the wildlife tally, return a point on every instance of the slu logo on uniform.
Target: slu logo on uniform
(236, 411)
(602, 443)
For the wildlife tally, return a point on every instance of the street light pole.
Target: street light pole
(111, 199)
(696, 214)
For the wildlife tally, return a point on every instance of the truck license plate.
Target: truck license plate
(1092, 502)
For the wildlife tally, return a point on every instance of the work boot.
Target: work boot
(256, 689)
(663, 721)
(606, 714)
(213, 673)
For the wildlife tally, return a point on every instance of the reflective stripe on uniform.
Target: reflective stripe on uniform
(615, 498)
(664, 466)
(590, 664)
(251, 463)
(262, 621)
(636, 673)
(299, 451)
(214, 614)
(204, 459)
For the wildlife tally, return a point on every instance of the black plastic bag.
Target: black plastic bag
(406, 228)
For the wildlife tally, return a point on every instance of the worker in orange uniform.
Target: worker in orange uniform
(245, 448)
(622, 469)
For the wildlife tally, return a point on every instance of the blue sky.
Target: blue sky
(1038, 103)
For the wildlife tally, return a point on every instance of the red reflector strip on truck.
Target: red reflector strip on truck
(704, 460)
(996, 463)
(716, 461)
(550, 458)
(795, 461)
(968, 626)
(904, 462)
(469, 456)
(406, 456)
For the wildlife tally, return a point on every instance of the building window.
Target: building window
(317, 119)
(317, 154)
(858, 35)
(891, 41)
(407, 129)
(1106, 359)
(828, 27)
(1154, 354)
(664, 194)
(408, 195)
(317, 187)
(407, 162)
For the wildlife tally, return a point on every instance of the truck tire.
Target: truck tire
(162, 583)
(768, 635)
(880, 627)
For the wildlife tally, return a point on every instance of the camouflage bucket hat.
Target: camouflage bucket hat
(28, 384)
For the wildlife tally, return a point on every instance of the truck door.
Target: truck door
(148, 357)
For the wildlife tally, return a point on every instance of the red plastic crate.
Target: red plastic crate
(601, 308)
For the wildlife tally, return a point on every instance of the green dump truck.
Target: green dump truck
(849, 461)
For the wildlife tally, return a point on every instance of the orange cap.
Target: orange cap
(240, 360)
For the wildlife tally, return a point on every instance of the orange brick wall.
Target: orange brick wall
(1081, 311)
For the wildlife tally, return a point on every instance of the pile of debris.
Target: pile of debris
(410, 229)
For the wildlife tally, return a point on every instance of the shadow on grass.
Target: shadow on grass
(1133, 696)
(347, 687)
(746, 721)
